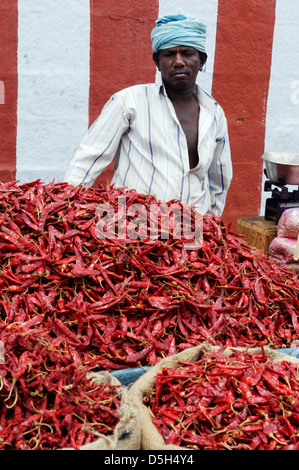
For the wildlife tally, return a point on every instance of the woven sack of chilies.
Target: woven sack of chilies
(126, 434)
(214, 398)
(75, 410)
(127, 431)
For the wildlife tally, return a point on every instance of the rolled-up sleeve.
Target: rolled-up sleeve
(100, 143)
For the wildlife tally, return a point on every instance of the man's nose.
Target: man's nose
(178, 60)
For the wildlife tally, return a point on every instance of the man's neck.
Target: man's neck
(182, 96)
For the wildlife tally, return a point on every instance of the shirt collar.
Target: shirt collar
(203, 97)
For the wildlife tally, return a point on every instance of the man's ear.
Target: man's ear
(203, 58)
(156, 59)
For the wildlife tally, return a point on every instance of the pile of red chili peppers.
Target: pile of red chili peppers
(238, 402)
(120, 302)
(47, 401)
(116, 303)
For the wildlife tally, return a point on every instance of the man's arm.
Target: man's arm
(100, 143)
(220, 173)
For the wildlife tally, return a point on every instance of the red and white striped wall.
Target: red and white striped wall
(62, 59)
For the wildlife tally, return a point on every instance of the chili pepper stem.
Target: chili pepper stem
(35, 409)
(14, 380)
(14, 402)
(221, 431)
(275, 438)
(231, 447)
(80, 418)
(2, 382)
(47, 425)
(93, 432)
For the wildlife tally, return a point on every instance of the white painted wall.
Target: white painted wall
(53, 88)
(282, 119)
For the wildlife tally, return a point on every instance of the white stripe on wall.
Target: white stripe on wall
(205, 11)
(53, 85)
(282, 119)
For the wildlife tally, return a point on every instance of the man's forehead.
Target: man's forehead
(178, 48)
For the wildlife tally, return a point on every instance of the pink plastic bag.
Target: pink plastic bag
(283, 249)
(288, 224)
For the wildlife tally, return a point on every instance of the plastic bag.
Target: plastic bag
(283, 249)
(288, 224)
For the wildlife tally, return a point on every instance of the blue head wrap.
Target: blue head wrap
(178, 30)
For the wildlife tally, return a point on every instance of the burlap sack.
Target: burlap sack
(127, 433)
(151, 439)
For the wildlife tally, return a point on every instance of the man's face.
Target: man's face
(179, 66)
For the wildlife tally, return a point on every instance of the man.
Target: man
(168, 138)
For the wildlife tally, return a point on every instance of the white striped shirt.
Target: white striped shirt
(139, 127)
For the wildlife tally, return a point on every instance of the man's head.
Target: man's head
(178, 44)
(179, 30)
(179, 66)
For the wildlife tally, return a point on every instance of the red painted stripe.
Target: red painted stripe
(9, 79)
(120, 50)
(240, 84)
